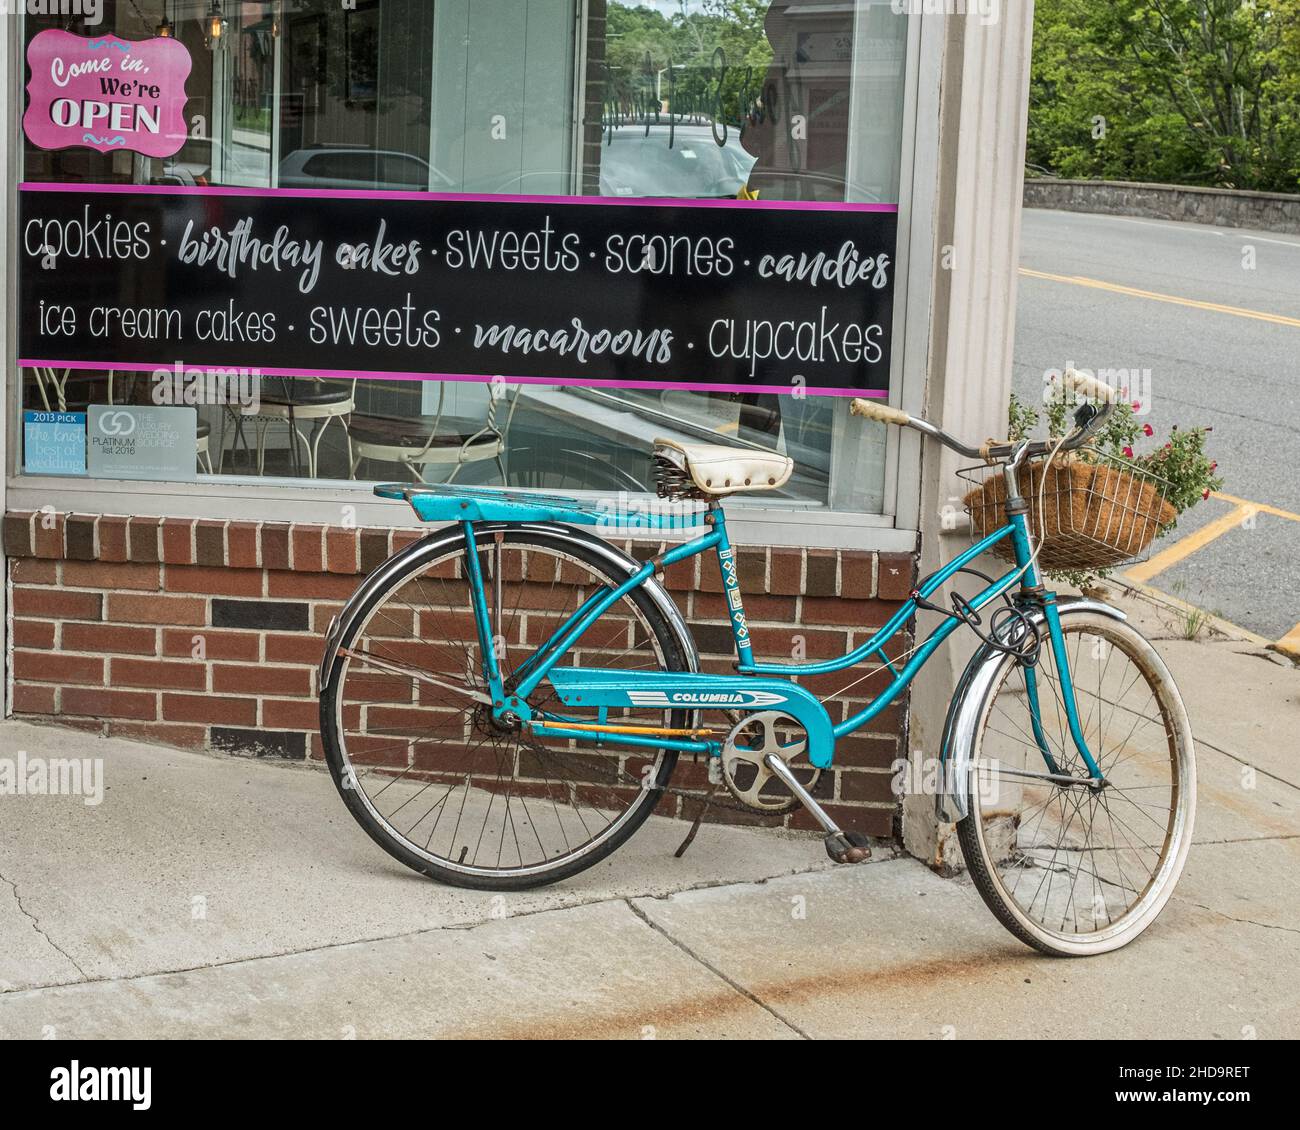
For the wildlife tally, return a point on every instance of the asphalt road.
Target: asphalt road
(1237, 370)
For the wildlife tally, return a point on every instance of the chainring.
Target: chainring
(744, 770)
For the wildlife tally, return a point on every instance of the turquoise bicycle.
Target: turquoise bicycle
(505, 702)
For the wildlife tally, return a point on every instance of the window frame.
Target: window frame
(751, 520)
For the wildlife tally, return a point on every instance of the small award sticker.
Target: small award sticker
(54, 443)
(142, 443)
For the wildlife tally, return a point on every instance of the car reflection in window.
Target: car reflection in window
(685, 161)
(634, 163)
(367, 169)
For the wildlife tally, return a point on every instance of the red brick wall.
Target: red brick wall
(203, 634)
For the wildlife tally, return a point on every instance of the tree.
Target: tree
(708, 54)
(1184, 91)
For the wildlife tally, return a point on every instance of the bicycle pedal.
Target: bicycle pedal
(848, 847)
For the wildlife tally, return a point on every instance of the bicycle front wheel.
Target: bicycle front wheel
(408, 728)
(1070, 869)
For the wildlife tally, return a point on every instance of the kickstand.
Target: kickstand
(695, 827)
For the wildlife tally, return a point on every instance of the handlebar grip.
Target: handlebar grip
(881, 412)
(1089, 387)
(991, 449)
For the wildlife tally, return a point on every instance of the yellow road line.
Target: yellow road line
(1262, 507)
(1133, 292)
(1289, 644)
(1198, 539)
(1241, 509)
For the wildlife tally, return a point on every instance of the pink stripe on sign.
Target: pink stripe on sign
(464, 378)
(456, 197)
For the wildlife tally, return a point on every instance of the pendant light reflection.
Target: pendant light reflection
(215, 27)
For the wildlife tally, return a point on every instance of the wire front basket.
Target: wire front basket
(1098, 511)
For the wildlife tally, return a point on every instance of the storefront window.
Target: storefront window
(690, 100)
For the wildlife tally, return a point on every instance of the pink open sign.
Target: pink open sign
(107, 93)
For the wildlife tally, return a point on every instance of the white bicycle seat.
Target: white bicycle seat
(719, 471)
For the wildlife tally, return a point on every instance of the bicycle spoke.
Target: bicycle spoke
(1074, 859)
(435, 766)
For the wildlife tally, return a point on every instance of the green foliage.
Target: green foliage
(1173, 91)
(1022, 418)
(710, 54)
(1184, 465)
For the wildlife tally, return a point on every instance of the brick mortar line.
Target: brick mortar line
(159, 657)
(409, 533)
(162, 566)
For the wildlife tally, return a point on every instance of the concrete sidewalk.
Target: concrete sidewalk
(209, 897)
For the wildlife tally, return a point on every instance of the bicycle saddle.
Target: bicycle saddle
(716, 470)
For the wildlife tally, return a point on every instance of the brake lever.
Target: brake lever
(1084, 415)
(1088, 419)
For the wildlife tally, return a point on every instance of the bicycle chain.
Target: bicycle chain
(720, 797)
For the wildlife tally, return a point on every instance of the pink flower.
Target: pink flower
(1128, 452)
(1137, 405)
(1206, 495)
(1214, 466)
(1148, 430)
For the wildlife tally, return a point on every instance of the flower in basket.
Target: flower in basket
(1126, 495)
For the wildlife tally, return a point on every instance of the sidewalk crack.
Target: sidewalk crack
(18, 900)
(690, 888)
(1240, 760)
(469, 925)
(1247, 840)
(731, 981)
(1242, 921)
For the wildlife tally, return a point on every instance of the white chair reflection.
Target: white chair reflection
(47, 381)
(422, 442)
(294, 401)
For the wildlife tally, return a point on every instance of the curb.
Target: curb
(1289, 645)
(1217, 623)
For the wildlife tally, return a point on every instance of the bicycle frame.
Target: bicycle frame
(757, 685)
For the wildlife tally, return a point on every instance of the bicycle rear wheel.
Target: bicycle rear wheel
(1071, 870)
(408, 731)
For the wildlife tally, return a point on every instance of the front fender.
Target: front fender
(967, 707)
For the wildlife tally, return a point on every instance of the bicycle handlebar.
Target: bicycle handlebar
(1087, 387)
(881, 412)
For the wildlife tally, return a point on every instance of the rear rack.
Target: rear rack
(624, 511)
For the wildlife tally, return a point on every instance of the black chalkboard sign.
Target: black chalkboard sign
(730, 295)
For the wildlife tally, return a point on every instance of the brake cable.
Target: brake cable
(1010, 631)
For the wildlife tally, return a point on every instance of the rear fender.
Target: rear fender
(444, 540)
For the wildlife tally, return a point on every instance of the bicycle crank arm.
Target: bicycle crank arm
(394, 668)
(841, 846)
